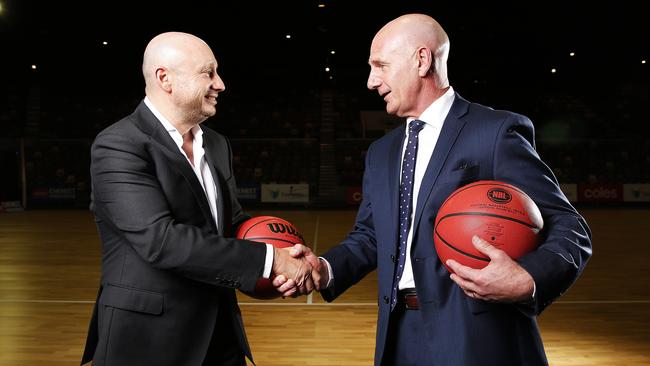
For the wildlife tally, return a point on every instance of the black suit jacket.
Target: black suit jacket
(168, 272)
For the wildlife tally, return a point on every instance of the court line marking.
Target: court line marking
(310, 299)
(240, 303)
(603, 302)
(49, 301)
(568, 302)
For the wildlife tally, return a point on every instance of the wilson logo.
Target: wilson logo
(280, 228)
(499, 195)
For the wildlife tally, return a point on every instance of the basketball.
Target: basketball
(497, 212)
(271, 230)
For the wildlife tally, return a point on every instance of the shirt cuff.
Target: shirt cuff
(330, 275)
(531, 300)
(268, 262)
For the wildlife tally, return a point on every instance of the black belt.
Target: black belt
(408, 298)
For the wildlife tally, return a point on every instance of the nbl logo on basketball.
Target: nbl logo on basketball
(280, 228)
(499, 195)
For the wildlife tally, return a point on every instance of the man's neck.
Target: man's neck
(177, 120)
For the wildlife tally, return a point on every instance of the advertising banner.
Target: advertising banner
(298, 193)
(600, 192)
(636, 192)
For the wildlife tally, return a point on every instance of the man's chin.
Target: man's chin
(209, 111)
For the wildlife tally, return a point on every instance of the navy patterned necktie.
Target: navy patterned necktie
(405, 200)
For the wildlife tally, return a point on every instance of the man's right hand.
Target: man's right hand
(319, 274)
(293, 273)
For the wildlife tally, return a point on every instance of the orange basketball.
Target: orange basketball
(271, 230)
(497, 212)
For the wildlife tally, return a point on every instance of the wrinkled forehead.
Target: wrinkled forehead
(386, 45)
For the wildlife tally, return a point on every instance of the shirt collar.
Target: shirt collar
(436, 113)
(173, 132)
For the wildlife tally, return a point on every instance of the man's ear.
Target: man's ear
(425, 61)
(163, 79)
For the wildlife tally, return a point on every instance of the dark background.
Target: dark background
(591, 112)
(503, 46)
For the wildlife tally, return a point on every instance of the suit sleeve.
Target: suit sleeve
(356, 256)
(127, 196)
(558, 261)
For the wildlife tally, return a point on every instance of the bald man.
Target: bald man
(425, 316)
(163, 195)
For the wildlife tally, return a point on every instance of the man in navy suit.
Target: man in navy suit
(425, 316)
(164, 199)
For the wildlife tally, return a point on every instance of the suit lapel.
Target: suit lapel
(450, 130)
(208, 146)
(150, 125)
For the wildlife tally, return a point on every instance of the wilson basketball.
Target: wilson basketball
(271, 230)
(497, 212)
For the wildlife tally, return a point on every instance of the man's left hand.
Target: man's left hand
(503, 280)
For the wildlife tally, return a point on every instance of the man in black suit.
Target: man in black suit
(163, 195)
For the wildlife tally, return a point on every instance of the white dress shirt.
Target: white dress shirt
(433, 118)
(202, 170)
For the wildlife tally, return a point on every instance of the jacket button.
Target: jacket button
(393, 258)
(386, 299)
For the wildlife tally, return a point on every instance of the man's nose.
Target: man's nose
(373, 81)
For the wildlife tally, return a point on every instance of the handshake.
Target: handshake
(298, 271)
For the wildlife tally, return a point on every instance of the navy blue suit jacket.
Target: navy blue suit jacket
(476, 143)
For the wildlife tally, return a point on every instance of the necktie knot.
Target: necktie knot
(416, 126)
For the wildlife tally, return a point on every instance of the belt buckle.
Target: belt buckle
(411, 302)
(406, 302)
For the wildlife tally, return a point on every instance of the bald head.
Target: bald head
(169, 50)
(410, 31)
(419, 29)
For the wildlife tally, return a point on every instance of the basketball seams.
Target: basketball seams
(271, 238)
(461, 206)
(470, 213)
(460, 251)
(257, 223)
(486, 183)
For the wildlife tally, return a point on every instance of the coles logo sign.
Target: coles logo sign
(600, 192)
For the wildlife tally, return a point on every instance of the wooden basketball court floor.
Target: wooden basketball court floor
(49, 271)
